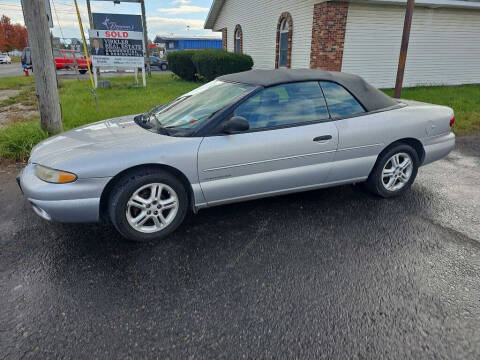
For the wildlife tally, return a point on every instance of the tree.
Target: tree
(12, 36)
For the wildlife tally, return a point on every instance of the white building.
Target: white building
(359, 37)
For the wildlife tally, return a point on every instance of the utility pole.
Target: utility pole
(90, 18)
(404, 48)
(35, 17)
(145, 38)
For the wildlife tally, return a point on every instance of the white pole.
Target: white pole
(95, 77)
(143, 77)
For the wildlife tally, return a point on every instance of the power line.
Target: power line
(58, 21)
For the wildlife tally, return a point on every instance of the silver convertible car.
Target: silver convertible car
(242, 136)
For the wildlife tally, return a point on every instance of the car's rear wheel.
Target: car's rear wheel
(163, 67)
(394, 171)
(82, 71)
(148, 205)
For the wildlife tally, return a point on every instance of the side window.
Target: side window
(340, 102)
(68, 54)
(57, 53)
(284, 104)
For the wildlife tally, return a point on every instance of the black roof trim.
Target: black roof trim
(370, 97)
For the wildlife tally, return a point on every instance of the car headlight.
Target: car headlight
(54, 176)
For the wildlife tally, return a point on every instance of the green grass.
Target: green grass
(17, 140)
(123, 98)
(16, 82)
(463, 99)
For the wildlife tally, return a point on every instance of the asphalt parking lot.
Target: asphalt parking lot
(333, 273)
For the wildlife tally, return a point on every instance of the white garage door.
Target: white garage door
(444, 45)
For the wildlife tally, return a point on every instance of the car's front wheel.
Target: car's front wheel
(148, 205)
(394, 171)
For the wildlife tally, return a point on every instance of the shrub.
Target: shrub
(180, 62)
(212, 63)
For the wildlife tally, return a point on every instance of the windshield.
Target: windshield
(192, 109)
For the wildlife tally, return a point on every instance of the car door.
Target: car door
(290, 145)
(59, 59)
(69, 62)
(360, 134)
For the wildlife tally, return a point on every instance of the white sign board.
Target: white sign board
(116, 34)
(117, 61)
(118, 48)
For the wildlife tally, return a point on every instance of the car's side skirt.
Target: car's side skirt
(279, 192)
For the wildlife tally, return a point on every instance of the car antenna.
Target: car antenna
(92, 89)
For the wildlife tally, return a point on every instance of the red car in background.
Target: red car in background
(65, 59)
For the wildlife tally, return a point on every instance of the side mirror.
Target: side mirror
(236, 124)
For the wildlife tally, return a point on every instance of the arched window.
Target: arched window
(284, 41)
(238, 39)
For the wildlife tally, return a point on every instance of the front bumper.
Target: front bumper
(73, 202)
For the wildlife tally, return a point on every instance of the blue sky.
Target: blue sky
(164, 17)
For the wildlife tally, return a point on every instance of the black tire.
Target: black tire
(125, 188)
(82, 71)
(375, 181)
(163, 67)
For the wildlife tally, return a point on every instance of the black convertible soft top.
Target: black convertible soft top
(370, 97)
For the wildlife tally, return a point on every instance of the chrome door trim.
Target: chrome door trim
(359, 147)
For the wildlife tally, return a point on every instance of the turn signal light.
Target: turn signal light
(54, 176)
(452, 121)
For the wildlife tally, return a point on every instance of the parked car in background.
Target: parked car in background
(156, 62)
(243, 136)
(65, 59)
(5, 59)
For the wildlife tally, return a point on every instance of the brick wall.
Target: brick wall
(328, 35)
(224, 39)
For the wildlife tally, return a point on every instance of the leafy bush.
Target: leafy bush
(180, 62)
(212, 63)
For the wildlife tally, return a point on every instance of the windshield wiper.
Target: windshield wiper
(163, 130)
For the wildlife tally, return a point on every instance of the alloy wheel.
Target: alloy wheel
(397, 171)
(152, 207)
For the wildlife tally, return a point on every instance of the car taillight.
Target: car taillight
(452, 121)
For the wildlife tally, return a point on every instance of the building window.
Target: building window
(238, 39)
(284, 41)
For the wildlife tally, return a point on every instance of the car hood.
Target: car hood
(96, 142)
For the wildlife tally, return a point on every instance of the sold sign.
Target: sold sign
(115, 34)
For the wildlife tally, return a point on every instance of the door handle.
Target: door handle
(322, 138)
